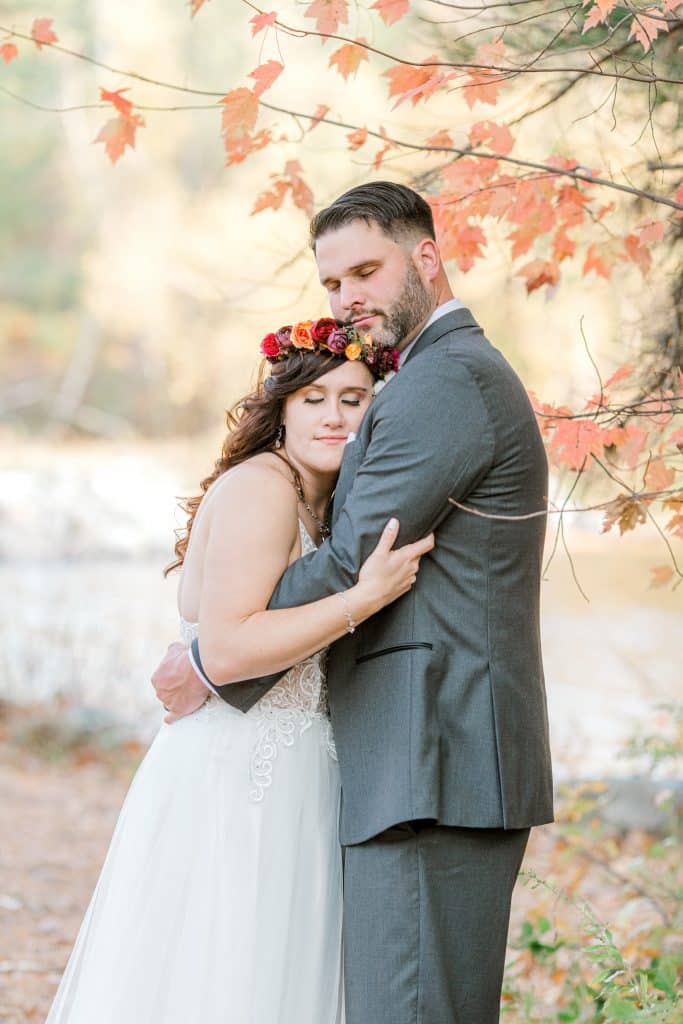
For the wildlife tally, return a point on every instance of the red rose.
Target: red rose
(322, 329)
(270, 347)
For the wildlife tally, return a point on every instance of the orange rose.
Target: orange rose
(301, 335)
(353, 351)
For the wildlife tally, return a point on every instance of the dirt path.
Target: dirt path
(56, 820)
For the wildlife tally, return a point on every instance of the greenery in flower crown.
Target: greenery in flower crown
(328, 335)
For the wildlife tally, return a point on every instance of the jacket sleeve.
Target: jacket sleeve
(431, 439)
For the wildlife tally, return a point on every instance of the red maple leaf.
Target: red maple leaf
(661, 575)
(41, 32)
(357, 138)
(320, 112)
(240, 111)
(265, 75)
(646, 29)
(348, 58)
(497, 137)
(118, 133)
(391, 10)
(598, 13)
(538, 273)
(8, 51)
(123, 105)
(574, 441)
(261, 21)
(328, 14)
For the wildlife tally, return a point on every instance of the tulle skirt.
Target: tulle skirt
(220, 900)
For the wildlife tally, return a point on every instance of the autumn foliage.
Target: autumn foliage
(554, 212)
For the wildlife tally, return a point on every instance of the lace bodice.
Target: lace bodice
(286, 711)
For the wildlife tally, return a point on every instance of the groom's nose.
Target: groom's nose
(351, 296)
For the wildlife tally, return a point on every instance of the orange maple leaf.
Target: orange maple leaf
(538, 273)
(265, 75)
(484, 84)
(240, 111)
(497, 137)
(563, 245)
(123, 105)
(261, 21)
(627, 512)
(637, 253)
(661, 575)
(659, 476)
(8, 51)
(391, 10)
(118, 133)
(651, 231)
(414, 83)
(598, 14)
(458, 240)
(328, 14)
(621, 374)
(381, 153)
(272, 199)
(357, 138)
(348, 58)
(600, 260)
(239, 149)
(195, 6)
(320, 112)
(441, 138)
(41, 32)
(646, 29)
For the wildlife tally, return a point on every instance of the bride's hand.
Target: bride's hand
(388, 573)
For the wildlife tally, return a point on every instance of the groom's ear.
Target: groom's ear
(427, 258)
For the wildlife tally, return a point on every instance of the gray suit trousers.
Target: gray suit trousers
(426, 915)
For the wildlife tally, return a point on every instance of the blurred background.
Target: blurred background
(132, 302)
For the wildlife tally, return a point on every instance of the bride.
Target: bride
(220, 898)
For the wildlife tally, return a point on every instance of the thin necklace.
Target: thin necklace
(323, 527)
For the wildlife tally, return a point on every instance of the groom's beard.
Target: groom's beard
(412, 308)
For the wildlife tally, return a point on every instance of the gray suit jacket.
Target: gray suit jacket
(438, 702)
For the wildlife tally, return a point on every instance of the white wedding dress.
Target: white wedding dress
(220, 900)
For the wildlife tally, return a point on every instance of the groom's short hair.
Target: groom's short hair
(398, 210)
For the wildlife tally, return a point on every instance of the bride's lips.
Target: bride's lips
(332, 439)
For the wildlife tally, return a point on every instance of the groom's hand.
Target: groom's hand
(177, 685)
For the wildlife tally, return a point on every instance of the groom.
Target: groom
(437, 703)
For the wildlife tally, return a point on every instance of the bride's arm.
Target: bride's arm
(251, 535)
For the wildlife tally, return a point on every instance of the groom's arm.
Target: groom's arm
(431, 440)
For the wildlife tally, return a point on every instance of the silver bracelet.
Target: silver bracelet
(350, 624)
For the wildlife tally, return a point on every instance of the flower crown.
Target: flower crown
(327, 335)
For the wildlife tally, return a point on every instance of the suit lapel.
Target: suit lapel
(353, 455)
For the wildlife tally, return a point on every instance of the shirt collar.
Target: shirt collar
(446, 307)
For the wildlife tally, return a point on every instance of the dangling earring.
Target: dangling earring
(279, 436)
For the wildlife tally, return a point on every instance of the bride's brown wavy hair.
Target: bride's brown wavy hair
(253, 425)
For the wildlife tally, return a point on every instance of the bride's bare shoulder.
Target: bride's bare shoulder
(261, 483)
